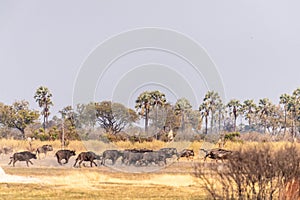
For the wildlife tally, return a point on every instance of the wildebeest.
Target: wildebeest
(112, 155)
(87, 156)
(170, 152)
(134, 158)
(155, 157)
(64, 154)
(125, 155)
(217, 154)
(188, 153)
(6, 150)
(22, 156)
(44, 149)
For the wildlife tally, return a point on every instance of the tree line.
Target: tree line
(212, 116)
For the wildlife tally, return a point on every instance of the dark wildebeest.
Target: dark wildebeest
(112, 155)
(22, 156)
(188, 153)
(87, 156)
(134, 158)
(64, 154)
(155, 157)
(44, 149)
(217, 154)
(125, 156)
(170, 152)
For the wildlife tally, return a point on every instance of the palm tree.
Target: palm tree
(221, 114)
(146, 101)
(43, 97)
(249, 108)
(295, 109)
(284, 100)
(235, 108)
(264, 110)
(157, 99)
(211, 103)
(204, 109)
(183, 107)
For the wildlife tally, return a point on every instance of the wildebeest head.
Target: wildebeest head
(72, 153)
(34, 156)
(47, 147)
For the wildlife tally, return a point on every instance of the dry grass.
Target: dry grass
(92, 184)
(102, 182)
(98, 146)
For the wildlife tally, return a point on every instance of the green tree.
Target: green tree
(70, 115)
(264, 110)
(195, 120)
(70, 124)
(171, 120)
(143, 106)
(285, 100)
(234, 106)
(43, 98)
(146, 101)
(249, 109)
(211, 104)
(182, 108)
(86, 114)
(114, 117)
(158, 100)
(274, 119)
(294, 109)
(18, 116)
(296, 94)
(204, 109)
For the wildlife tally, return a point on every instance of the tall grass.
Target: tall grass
(99, 146)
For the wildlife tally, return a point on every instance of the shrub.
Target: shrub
(231, 136)
(258, 172)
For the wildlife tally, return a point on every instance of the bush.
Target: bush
(253, 173)
(231, 136)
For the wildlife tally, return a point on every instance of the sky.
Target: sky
(254, 46)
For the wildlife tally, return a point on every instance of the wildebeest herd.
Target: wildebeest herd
(127, 157)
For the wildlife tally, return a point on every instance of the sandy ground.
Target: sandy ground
(6, 178)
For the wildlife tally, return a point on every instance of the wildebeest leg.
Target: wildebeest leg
(205, 157)
(30, 162)
(80, 163)
(75, 163)
(94, 163)
(11, 159)
(27, 163)
(67, 160)
(14, 162)
(59, 161)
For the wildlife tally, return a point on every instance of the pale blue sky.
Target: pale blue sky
(254, 44)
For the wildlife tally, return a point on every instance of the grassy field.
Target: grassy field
(176, 181)
(56, 182)
(87, 183)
